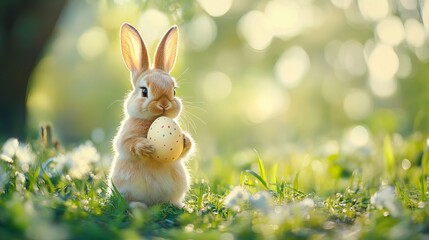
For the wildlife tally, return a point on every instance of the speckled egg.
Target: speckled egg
(167, 138)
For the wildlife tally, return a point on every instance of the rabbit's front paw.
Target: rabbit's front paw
(187, 144)
(145, 148)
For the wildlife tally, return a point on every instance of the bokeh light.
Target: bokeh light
(98, 135)
(343, 4)
(285, 17)
(351, 58)
(357, 104)
(264, 101)
(383, 88)
(292, 66)
(317, 166)
(152, 24)
(358, 136)
(216, 8)
(92, 43)
(216, 86)
(200, 32)
(255, 29)
(425, 15)
(414, 33)
(374, 10)
(383, 62)
(406, 164)
(390, 30)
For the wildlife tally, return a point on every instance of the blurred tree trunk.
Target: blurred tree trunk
(25, 28)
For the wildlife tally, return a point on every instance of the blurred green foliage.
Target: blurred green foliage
(253, 74)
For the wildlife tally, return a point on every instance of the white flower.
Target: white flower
(78, 162)
(59, 162)
(86, 152)
(6, 158)
(306, 204)
(236, 198)
(19, 181)
(25, 156)
(4, 178)
(23, 153)
(85, 204)
(386, 198)
(10, 147)
(298, 210)
(261, 201)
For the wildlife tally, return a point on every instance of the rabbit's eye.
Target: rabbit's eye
(174, 92)
(144, 91)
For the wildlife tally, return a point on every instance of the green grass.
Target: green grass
(365, 194)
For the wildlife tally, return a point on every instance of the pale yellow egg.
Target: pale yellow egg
(167, 138)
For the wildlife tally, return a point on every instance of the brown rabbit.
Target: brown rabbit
(138, 176)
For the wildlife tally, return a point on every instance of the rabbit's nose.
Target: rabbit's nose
(164, 105)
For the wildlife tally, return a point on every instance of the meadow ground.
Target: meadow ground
(311, 118)
(47, 192)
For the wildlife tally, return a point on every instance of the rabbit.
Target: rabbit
(140, 178)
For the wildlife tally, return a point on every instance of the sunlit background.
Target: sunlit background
(277, 75)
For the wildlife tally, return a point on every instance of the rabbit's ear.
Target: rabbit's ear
(166, 51)
(134, 51)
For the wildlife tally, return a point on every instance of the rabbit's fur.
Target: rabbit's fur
(141, 179)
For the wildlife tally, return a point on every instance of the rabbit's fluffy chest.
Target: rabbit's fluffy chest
(166, 184)
(163, 185)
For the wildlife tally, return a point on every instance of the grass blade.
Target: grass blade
(423, 188)
(425, 162)
(389, 158)
(261, 167)
(273, 175)
(295, 180)
(257, 176)
(425, 171)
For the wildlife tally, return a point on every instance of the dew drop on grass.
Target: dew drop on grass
(189, 228)
(406, 164)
